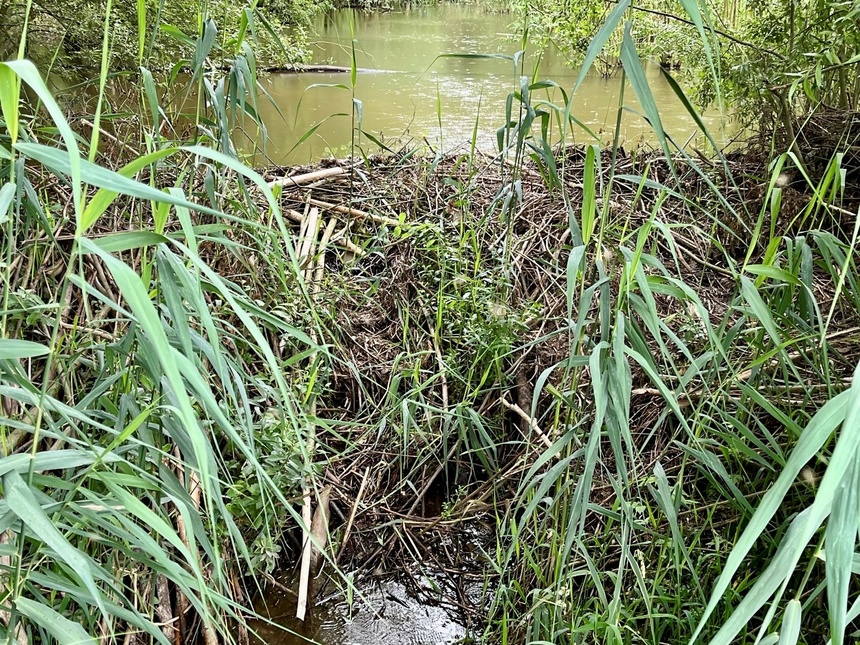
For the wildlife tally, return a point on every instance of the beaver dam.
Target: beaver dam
(417, 399)
(503, 403)
(517, 379)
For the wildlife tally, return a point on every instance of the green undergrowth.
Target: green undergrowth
(154, 414)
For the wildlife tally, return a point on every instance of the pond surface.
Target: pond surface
(408, 93)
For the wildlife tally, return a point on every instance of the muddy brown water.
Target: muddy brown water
(408, 93)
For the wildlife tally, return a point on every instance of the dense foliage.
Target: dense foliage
(773, 62)
(69, 33)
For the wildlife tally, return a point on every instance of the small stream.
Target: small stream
(408, 93)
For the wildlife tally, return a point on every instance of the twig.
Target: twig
(719, 32)
(298, 180)
(531, 422)
(108, 135)
(345, 210)
(429, 482)
(352, 513)
(277, 584)
(350, 246)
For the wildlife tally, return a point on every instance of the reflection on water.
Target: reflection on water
(407, 90)
(390, 616)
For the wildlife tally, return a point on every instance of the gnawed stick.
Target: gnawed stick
(298, 180)
(339, 238)
(354, 212)
(342, 238)
(531, 422)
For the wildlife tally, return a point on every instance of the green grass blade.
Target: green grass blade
(23, 504)
(10, 90)
(141, 29)
(30, 75)
(760, 310)
(596, 46)
(839, 539)
(99, 176)
(817, 432)
(790, 631)
(103, 199)
(11, 349)
(589, 191)
(58, 626)
(639, 82)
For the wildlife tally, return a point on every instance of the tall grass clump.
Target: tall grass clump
(700, 482)
(155, 330)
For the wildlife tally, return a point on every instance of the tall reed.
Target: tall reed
(148, 334)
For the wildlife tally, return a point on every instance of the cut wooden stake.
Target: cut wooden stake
(307, 514)
(305, 571)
